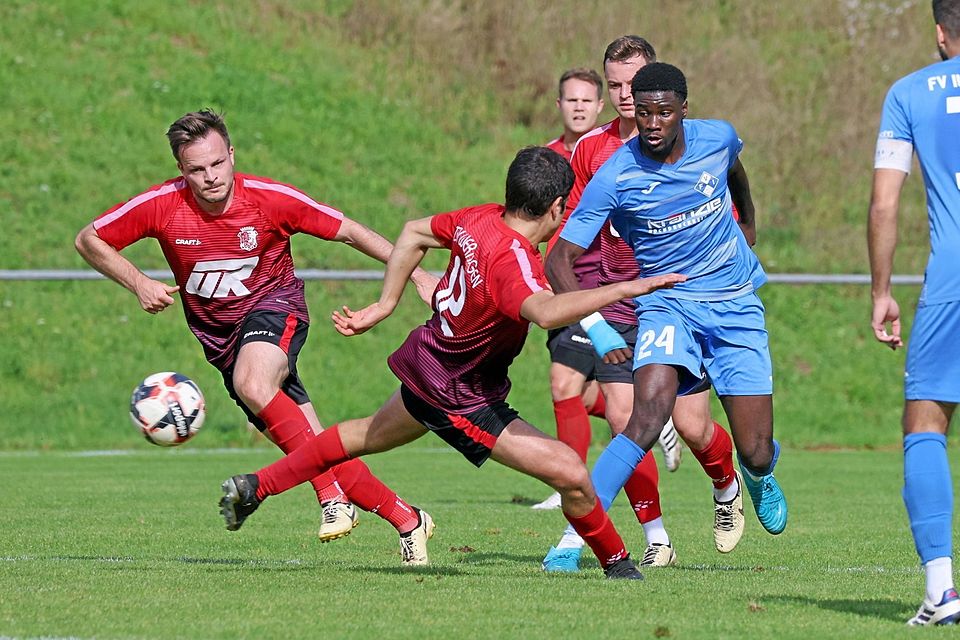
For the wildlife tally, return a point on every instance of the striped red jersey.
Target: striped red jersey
(458, 360)
(557, 145)
(226, 265)
(591, 151)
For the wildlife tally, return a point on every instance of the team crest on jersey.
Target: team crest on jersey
(248, 238)
(707, 184)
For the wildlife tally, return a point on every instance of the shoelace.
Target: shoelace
(724, 517)
(406, 547)
(651, 553)
(330, 511)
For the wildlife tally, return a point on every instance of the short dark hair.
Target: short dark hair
(581, 73)
(660, 76)
(193, 126)
(536, 177)
(946, 13)
(628, 47)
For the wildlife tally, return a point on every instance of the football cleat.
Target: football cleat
(413, 545)
(728, 520)
(768, 500)
(623, 570)
(562, 560)
(659, 555)
(552, 502)
(239, 499)
(947, 611)
(337, 520)
(670, 445)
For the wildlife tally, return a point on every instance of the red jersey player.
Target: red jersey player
(574, 393)
(453, 369)
(226, 237)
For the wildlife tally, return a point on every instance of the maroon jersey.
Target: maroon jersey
(458, 360)
(226, 265)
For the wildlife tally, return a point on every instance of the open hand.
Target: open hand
(353, 323)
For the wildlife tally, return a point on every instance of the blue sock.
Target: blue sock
(928, 494)
(614, 467)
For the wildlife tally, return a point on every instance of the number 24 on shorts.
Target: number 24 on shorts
(649, 339)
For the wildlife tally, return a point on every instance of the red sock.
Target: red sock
(598, 532)
(289, 428)
(311, 459)
(717, 458)
(599, 408)
(573, 425)
(642, 489)
(370, 494)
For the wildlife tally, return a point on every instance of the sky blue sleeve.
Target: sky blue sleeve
(894, 123)
(598, 201)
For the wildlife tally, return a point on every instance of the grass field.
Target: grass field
(132, 546)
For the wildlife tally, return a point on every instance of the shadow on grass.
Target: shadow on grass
(892, 610)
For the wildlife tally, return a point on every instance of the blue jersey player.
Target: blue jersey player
(668, 194)
(922, 113)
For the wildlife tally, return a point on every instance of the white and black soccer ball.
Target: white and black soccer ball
(167, 408)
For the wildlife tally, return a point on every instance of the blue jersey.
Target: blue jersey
(923, 109)
(675, 217)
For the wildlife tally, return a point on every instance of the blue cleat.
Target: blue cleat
(562, 560)
(768, 499)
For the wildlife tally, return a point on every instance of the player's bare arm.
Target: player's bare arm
(559, 266)
(154, 296)
(739, 187)
(412, 245)
(882, 243)
(549, 311)
(370, 243)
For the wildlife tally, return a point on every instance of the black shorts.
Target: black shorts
(287, 332)
(623, 372)
(473, 434)
(571, 347)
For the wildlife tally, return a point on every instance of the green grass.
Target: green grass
(132, 547)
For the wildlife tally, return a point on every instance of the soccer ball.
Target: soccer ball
(167, 408)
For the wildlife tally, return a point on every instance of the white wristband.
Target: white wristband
(591, 320)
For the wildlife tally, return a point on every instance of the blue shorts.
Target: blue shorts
(933, 354)
(727, 339)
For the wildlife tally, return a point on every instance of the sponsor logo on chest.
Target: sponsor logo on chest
(221, 278)
(684, 219)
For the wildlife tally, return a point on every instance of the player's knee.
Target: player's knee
(756, 453)
(254, 391)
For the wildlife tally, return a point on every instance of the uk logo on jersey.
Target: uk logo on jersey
(221, 278)
(707, 184)
(248, 238)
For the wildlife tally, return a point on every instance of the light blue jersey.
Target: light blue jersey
(923, 109)
(675, 217)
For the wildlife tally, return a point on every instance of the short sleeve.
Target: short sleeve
(443, 225)
(292, 210)
(894, 120)
(138, 218)
(598, 201)
(515, 275)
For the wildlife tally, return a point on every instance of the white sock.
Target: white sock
(570, 540)
(655, 532)
(939, 577)
(728, 493)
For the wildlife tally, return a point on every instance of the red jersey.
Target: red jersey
(591, 151)
(226, 265)
(557, 145)
(458, 360)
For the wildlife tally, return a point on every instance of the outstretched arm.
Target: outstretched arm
(370, 243)
(404, 260)
(882, 243)
(550, 311)
(154, 296)
(740, 193)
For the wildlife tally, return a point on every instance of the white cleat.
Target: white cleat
(552, 502)
(413, 545)
(947, 611)
(728, 520)
(338, 520)
(659, 555)
(670, 445)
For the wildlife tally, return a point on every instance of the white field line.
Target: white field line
(97, 453)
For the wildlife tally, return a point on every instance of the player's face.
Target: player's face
(207, 165)
(619, 75)
(579, 105)
(659, 116)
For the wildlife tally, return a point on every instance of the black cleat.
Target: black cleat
(239, 499)
(623, 570)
